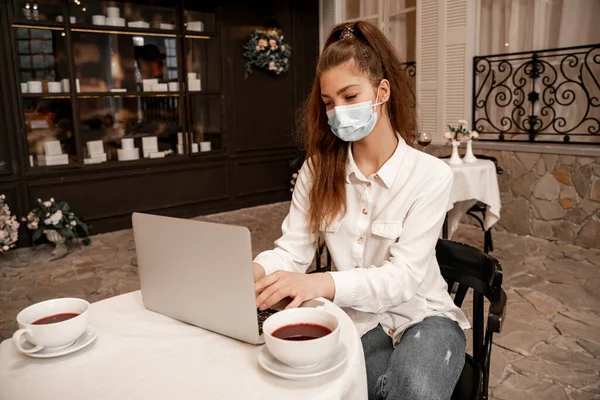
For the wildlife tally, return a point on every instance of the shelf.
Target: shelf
(206, 153)
(63, 167)
(204, 92)
(122, 30)
(113, 30)
(61, 95)
(48, 25)
(115, 164)
(199, 35)
(84, 95)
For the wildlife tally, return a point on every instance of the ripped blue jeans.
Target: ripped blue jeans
(426, 364)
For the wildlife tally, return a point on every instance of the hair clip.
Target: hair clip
(347, 33)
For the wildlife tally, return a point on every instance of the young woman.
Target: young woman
(380, 206)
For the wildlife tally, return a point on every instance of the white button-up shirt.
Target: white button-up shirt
(383, 247)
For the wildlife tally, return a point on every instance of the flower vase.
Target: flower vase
(469, 156)
(58, 240)
(455, 158)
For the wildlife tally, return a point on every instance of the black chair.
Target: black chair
(322, 249)
(468, 267)
(488, 244)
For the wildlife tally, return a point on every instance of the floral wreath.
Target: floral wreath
(267, 50)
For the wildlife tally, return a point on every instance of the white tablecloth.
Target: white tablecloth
(140, 354)
(474, 182)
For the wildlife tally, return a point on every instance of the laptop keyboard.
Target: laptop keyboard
(262, 316)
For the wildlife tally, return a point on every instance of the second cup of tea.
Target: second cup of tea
(302, 354)
(51, 324)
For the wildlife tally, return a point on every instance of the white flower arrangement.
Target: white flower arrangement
(459, 133)
(57, 216)
(9, 227)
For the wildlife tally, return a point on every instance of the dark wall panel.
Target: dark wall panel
(264, 105)
(10, 190)
(262, 176)
(103, 197)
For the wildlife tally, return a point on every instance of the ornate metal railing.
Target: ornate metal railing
(410, 68)
(540, 96)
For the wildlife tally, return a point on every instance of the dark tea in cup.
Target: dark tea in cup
(301, 332)
(55, 318)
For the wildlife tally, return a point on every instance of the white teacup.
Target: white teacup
(301, 353)
(55, 335)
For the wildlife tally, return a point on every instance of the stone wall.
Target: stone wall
(549, 196)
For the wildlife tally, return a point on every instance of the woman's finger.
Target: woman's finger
(274, 298)
(265, 282)
(268, 292)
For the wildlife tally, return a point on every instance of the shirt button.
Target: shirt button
(368, 184)
(376, 176)
(359, 240)
(390, 331)
(356, 266)
(364, 211)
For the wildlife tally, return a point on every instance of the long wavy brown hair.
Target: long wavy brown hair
(373, 55)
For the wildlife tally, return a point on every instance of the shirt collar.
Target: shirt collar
(387, 173)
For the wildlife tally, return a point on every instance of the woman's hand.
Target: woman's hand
(301, 287)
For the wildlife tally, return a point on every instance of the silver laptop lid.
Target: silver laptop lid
(198, 272)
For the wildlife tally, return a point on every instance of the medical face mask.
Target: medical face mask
(354, 122)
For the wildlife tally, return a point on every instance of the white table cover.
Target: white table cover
(140, 354)
(474, 182)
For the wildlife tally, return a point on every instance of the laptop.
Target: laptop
(199, 273)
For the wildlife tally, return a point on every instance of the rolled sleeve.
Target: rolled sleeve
(295, 249)
(380, 288)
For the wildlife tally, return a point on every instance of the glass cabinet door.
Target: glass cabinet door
(47, 110)
(107, 14)
(206, 133)
(4, 156)
(119, 63)
(129, 96)
(38, 11)
(128, 128)
(203, 65)
(199, 17)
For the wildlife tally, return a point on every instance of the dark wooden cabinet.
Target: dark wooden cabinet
(250, 123)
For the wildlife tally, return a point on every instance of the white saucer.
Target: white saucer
(84, 340)
(276, 367)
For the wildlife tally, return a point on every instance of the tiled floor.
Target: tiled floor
(549, 347)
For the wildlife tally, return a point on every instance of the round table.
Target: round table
(140, 354)
(474, 182)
